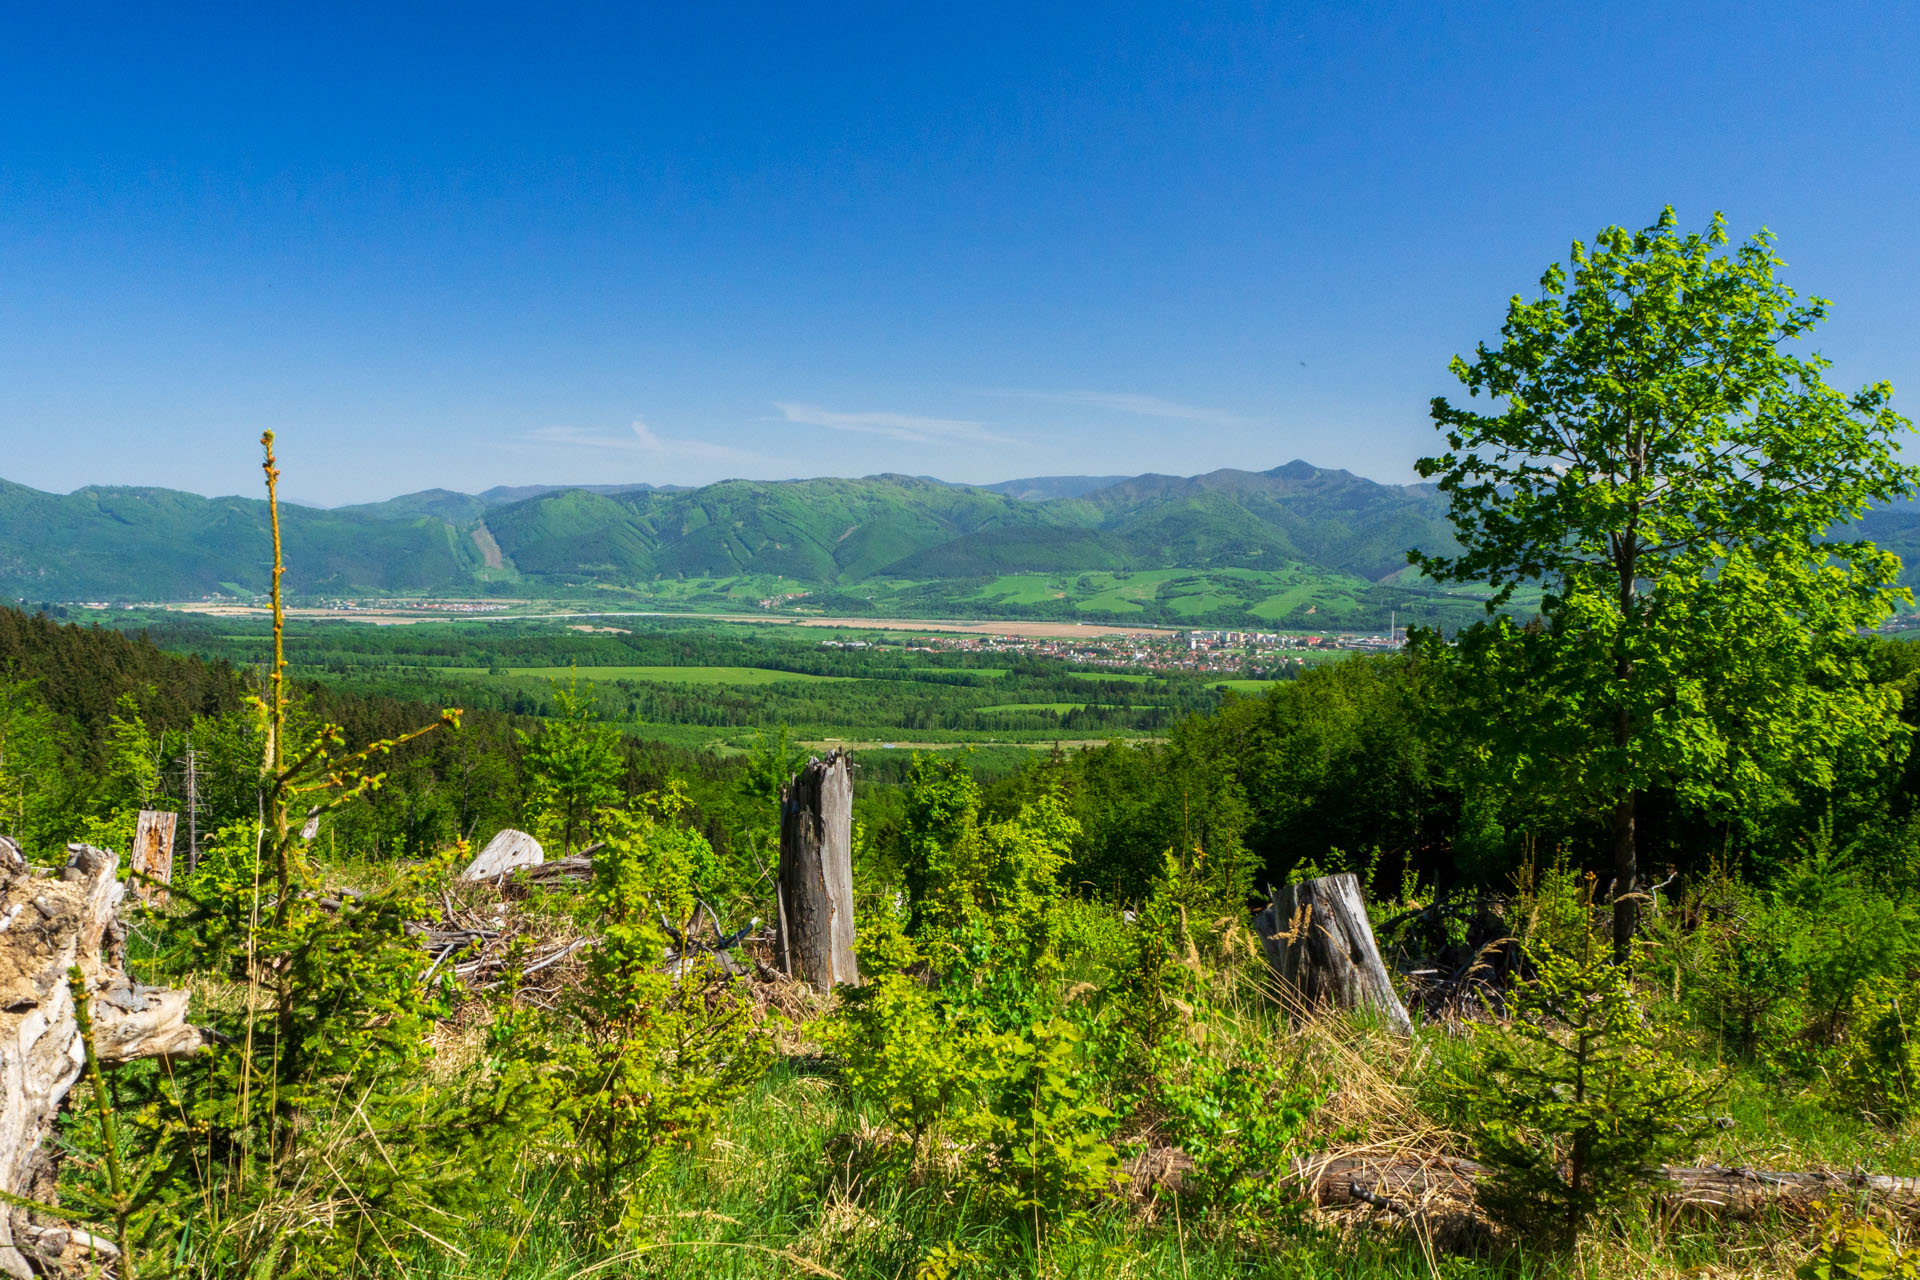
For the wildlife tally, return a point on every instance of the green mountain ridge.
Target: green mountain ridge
(1296, 542)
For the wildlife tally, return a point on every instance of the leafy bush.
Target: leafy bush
(1852, 1248)
(964, 1025)
(1877, 1067)
(1238, 1112)
(904, 1047)
(978, 881)
(1050, 1155)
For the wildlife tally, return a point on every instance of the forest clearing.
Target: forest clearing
(1578, 941)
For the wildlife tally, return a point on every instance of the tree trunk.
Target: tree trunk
(1626, 875)
(816, 874)
(47, 926)
(1321, 948)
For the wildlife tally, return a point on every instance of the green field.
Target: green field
(663, 675)
(718, 685)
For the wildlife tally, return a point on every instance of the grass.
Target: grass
(790, 1187)
(798, 1180)
(767, 1202)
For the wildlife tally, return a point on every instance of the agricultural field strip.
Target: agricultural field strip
(661, 674)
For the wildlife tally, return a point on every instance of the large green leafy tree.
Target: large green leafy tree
(1678, 480)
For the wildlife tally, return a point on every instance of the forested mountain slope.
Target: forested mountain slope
(1339, 530)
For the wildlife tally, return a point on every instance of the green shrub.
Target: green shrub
(1574, 1105)
(1050, 1156)
(1877, 1066)
(1553, 906)
(1238, 1112)
(1852, 1248)
(915, 1055)
(640, 1058)
(964, 1023)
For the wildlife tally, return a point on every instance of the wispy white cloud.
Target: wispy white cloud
(640, 438)
(1121, 402)
(899, 426)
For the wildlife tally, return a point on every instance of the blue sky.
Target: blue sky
(467, 245)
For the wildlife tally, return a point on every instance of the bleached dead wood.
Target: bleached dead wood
(1410, 1184)
(577, 868)
(1321, 948)
(815, 937)
(48, 926)
(506, 852)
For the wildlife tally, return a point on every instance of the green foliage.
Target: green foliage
(1574, 1102)
(33, 778)
(310, 1130)
(1740, 969)
(643, 1056)
(1672, 478)
(130, 779)
(975, 883)
(1854, 1248)
(1339, 759)
(1238, 1112)
(573, 769)
(1878, 1064)
(1552, 907)
(1051, 1157)
(962, 1025)
(903, 1050)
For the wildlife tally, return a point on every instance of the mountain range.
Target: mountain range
(1229, 545)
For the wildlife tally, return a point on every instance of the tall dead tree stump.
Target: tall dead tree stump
(815, 941)
(152, 856)
(1321, 948)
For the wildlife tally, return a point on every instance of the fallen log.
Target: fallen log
(48, 926)
(1411, 1183)
(575, 869)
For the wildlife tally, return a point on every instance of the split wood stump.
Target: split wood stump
(1321, 948)
(815, 940)
(508, 851)
(49, 925)
(152, 856)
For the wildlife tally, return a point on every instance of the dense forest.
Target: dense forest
(1346, 768)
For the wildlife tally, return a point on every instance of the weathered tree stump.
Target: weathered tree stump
(1321, 948)
(47, 926)
(815, 938)
(152, 856)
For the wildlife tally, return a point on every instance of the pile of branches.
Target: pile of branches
(488, 943)
(1452, 980)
